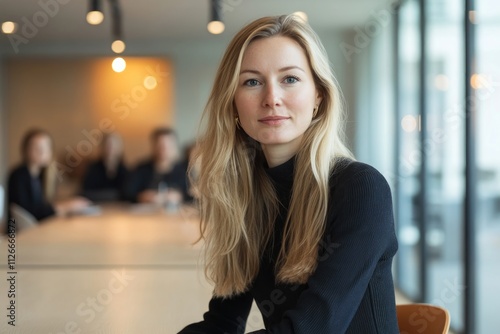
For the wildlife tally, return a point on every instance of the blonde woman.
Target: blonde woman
(290, 219)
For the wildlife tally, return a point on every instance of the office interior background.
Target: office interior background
(421, 81)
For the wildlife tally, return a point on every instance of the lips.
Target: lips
(274, 120)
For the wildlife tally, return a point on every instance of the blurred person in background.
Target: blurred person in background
(32, 184)
(161, 178)
(105, 178)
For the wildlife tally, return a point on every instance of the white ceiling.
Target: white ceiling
(162, 20)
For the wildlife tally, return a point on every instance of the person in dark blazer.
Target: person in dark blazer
(289, 218)
(104, 179)
(32, 184)
(161, 178)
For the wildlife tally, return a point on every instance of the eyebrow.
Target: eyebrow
(283, 69)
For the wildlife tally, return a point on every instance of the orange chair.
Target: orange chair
(422, 319)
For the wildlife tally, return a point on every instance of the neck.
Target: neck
(163, 166)
(280, 153)
(34, 169)
(111, 162)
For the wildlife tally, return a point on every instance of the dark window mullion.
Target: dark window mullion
(470, 175)
(422, 203)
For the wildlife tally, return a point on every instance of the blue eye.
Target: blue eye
(291, 80)
(251, 82)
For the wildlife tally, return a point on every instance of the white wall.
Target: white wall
(371, 97)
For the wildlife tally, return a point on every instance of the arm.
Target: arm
(360, 236)
(228, 316)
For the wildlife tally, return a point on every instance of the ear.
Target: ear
(319, 98)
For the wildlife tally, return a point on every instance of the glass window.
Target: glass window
(486, 82)
(444, 150)
(408, 260)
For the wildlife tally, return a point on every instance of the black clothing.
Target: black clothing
(99, 186)
(351, 290)
(144, 177)
(27, 192)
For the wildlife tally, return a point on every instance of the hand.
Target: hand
(149, 196)
(71, 205)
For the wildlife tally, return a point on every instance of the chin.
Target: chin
(275, 136)
(276, 140)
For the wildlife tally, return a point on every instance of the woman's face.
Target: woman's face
(165, 148)
(40, 150)
(112, 147)
(276, 94)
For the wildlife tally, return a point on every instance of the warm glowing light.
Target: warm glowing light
(150, 82)
(118, 46)
(95, 17)
(119, 64)
(441, 82)
(479, 81)
(472, 16)
(409, 235)
(9, 27)
(301, 15)
(215, 27)
(409, 123)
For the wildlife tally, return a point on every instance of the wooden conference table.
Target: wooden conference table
(127, 269)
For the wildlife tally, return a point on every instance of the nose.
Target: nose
(272, 96)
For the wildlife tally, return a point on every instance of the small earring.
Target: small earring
(315, 111)
(237, 121)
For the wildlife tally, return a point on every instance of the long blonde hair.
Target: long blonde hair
(48, 173)
(238, 203)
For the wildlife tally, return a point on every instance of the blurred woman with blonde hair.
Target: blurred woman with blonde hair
(289, 218)
(32, 184)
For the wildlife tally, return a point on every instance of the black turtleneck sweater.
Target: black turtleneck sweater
(351, 290)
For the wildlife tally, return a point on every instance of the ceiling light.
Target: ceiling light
(472, 16)
(215, 26)
(118, 46)
(9, 27)
(409, 123)
(479, 81)
(95, 15)
(441, 82)
(150, 82)
(301, 15)
(119, 64)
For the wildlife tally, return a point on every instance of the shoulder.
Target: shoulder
(19, 172)
(144, 166)
(181, 167)
(349, 175)
(96, 164)
(360, 201)
(359, 193)
(122, 165)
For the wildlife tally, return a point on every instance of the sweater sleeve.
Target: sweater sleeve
(360, 234)
(224, 316)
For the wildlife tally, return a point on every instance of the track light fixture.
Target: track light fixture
(95, 15)
(215, 26)
(118, 45)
